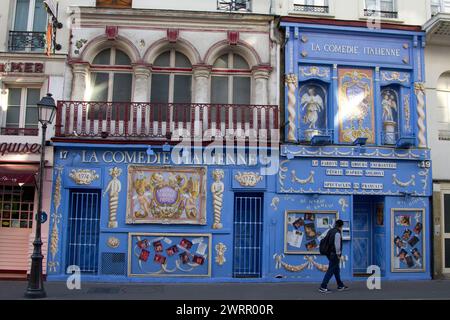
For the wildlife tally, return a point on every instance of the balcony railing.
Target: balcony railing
(234, 5)
(19, 131)
(381, 14)
(157, 121)
(311, 9)
(26, 41)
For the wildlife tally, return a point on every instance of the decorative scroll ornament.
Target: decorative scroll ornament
(113, 242)
(314, 72)
(248, 179)
(411, 182)
(282, 171)
(394, 76)
(220, 253)
(291, 82)
(420, 95)
(310, 179)
(343, 203)
(83, 176)
(275, 203)
(56, 219)
(309, 264)
(217, 189)
(114, 187)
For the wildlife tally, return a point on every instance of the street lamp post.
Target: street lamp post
(35, 288)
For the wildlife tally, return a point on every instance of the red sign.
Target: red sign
(22, 67)
(20, 148)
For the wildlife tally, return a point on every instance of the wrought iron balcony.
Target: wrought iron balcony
(161, 121)
(381, 14)
(311, 9)
(234, 5)
(19, 131)
(26, 41)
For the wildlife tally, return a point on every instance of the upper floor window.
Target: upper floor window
(438, 6)
(114, 3)
(171, 78)
(381, 8)
(311, 6)
(22, 112)
(234, 5)
(231, 80)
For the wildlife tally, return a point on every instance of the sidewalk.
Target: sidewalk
(436, 289)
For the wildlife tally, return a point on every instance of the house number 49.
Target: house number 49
(425, 164)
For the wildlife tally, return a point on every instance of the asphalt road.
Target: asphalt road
(405, 290)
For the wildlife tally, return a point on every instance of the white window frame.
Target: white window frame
(217, 73)
(172, 73)
(331, 12)
(23, 105)
(30, 18)
(444, 191)
(363, 6)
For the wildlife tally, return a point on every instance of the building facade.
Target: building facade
(27, 73)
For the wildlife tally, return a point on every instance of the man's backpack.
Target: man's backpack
(325, 243)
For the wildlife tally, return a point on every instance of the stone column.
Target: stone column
(201, 95)
(79, 84)
(141, 93)
(261, 76)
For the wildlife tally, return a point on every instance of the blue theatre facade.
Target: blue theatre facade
(354, 148)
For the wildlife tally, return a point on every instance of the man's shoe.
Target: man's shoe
(344, 288)
(324, 290)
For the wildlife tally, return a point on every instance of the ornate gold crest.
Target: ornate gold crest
(83, 176)
(248, 179)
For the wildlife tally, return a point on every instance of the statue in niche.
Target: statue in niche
(389, 105)
(313, 104)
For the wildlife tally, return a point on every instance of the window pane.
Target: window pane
(447, 213)
(221, 62)
(33, 96)
(163, 60)
(219, 90)
(181, 61)
(12, 116)
(14, 96)
(447, 253)
(104, 57)
(99, 83)
(239, 62)
(31, 119)
(182, 89)
(371, 4)
(40, 16)
(122, 58)
(160, 88)
(21, 18)
(241, 90)
(122, 87)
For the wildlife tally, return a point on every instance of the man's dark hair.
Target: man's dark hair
(339, 223)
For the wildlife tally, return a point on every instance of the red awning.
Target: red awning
(18, 173)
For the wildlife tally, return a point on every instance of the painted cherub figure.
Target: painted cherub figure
(140, 186)
(313, 104)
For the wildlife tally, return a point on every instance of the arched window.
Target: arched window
(111, 76)
(231, 80)
(171, 78)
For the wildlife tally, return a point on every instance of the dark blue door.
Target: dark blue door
(362, 237)
(247, 235)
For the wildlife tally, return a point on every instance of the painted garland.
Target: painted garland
(56, 219)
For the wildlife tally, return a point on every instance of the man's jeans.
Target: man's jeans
(333, 269)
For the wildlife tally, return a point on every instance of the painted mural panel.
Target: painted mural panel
(356, 105)
(407, 240)
(169, 254)
(305, 229)
(169, 195)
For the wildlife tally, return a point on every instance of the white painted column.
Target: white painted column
(261, 76)
(141, 93)
(201, 95)
(79, 84)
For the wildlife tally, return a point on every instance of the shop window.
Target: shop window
(312, 110)
(22, 112)
(390, 115)
(231, 80)
(111, 80)
(171, 78)
(16, 206)
(122, 4)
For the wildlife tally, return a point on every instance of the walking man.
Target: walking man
(331, 245)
